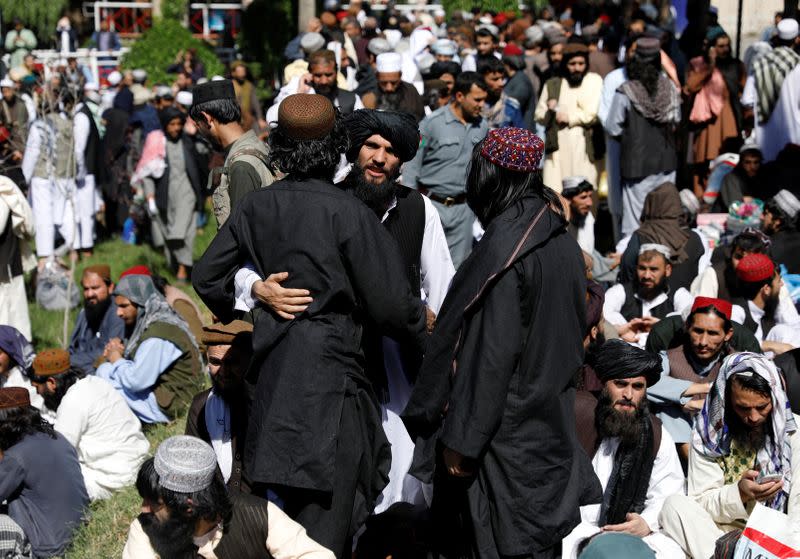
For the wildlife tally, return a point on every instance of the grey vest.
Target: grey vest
(56, 155)
(249, 149)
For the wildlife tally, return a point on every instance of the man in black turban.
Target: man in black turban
(634, 458)
(380, 142)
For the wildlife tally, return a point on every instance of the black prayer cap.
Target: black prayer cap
(399, 128)
(617, 359)
(212, 90)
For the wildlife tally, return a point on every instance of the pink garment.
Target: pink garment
(709, 101)
(153, 161)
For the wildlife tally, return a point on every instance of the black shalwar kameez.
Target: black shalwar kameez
(315, 435)
(497, 386)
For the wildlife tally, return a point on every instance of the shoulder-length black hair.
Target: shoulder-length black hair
(303, 159)
(492, 189)
(16, 423)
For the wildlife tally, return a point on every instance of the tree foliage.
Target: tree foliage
(264, 44)
(40, 16)
(490, 5)
(158, 46)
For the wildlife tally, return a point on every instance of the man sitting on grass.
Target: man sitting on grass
(40, 480)
(187, 513)
(95, 419)
(157, 370)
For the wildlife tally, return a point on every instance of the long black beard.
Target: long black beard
(171, 538)
(376, 196)
(96, 312)
(332, 93)
(771, 305)
(53, 399)
(612, 423)
(575, 79)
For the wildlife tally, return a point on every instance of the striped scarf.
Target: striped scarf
(769, 71)
(712, 439)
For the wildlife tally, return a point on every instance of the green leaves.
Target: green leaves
(156, 49)
(38, 16)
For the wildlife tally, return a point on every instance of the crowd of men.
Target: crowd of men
(482, 285)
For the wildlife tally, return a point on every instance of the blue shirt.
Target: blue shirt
(136, 379)
(445, 152)
(86, 345)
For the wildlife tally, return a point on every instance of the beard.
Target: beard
(230, 393)
(170, 538)
(53, 399)
(240, 81)
(771, 305)
(613, 423)
(96, 312)
(575, 79)
(746, 438)
(376, 196)
(389, 101)
(578, 219)
(329, 91)
(649, 294)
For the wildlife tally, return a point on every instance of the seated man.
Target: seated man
(689, 369)
(157, 370)
(40, 479)
(759, 308)
(719, 279)
(186, 512)
(779, 221)
(746, 430)
(789, 365)
(217, 415)
(632, 455)
(95, 419)
(633, 308)
(97, 322)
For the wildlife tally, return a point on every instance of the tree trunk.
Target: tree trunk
(306, 10)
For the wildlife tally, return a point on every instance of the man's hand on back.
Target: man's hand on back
(284, 302)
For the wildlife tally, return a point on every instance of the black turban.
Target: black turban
(168, 114)
(617, 359)
(400, 129)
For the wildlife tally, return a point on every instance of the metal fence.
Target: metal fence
(100, 63)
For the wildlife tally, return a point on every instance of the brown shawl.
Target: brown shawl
(660, 221)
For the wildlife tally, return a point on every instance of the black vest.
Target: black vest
(750, 322)
(246, 533)
(92, 153)
(347, 102)
(632, 308)
(406, 223)
(647, 147)
(10, 258)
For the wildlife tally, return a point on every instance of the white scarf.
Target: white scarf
(218, 424)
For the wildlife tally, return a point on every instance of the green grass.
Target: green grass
(103, 537)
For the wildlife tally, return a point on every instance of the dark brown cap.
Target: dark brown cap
(51, 362)
(648, 47)
(15, 397)
(575, 49)
(304, 116)
(101, 270)
(225, 334)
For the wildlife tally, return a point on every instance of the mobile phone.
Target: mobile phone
(768, 478)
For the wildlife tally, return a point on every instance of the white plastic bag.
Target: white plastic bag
(768, 535)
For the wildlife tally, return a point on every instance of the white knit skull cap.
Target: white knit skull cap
(185, 464)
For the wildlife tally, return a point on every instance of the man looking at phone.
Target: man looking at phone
(745, 449)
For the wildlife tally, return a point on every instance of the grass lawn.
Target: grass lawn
(104, 536)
